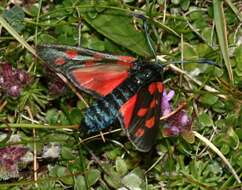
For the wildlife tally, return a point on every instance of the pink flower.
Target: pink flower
(177, 123)
(12, 80)
(9, 159)
(165, 102)
(55, 84)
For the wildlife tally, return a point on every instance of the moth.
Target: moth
(126, 89)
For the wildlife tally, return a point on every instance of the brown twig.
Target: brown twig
(181, 106)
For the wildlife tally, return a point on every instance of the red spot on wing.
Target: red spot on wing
(140, 132)
(98, 80)
(160, 87)
(149, 123)
(71, 53)
(152, 88)
(142, 112)
(60, 61)
(153, 103)
(127, 110)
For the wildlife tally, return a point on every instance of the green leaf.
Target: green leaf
(220, 24)
(75, 116)
(239, 160)
(93, 176)
(207, 33)
(190, 52)
(15, 34)
(95, 43)
(113, 153)
(113, 179)
(128, 1)
(121, 166)
(117, 26)
(61, 171)
(66, 153)
(64, 120)
(46, 38)
(79, 183)
(217, 72)
(15, 17)
(231, 119)
(235, 10)
(209, 99)
(185, 4)
(67, 180)
(4, 138)
(132, 181)
(233, 138)
(205, 120)
(225, 149)
(175, 2)
(239, 133)
(238, 57)
(219, 107)
(52, 116)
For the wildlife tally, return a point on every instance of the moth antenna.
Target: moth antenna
(148, 39)
(147, 35)
(200, 61)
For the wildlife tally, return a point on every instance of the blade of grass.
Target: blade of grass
(206, 87)
(220, 24)
(37, 126)
(218, 152)
(13, 32)
(234, 9)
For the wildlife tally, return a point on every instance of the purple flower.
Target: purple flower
(14, 90)
(12, 80)
(178, 122)
(22, 76)
(9, 159)
(7, 71)
(57, 87)
(165, 102)
(55, 84)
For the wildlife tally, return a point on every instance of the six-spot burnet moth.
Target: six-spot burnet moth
(125, 88)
